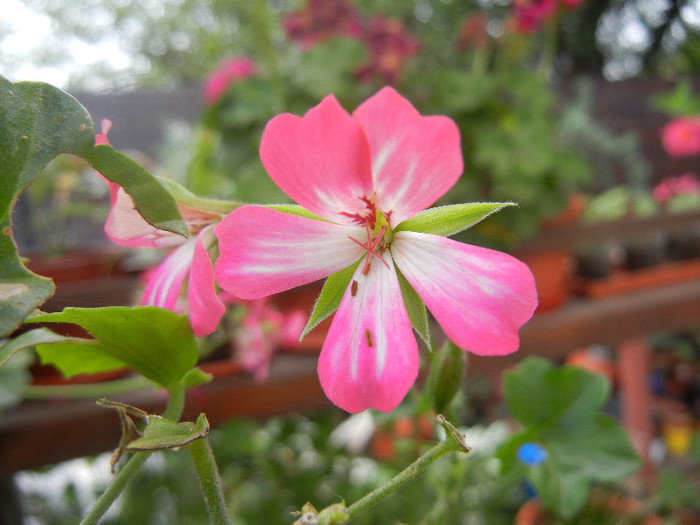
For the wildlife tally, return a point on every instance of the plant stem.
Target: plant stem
(453, 443)
(115, 488)
(210, 481)
(173, 411)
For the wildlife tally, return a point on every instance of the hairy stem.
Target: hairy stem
(210, 481)
(453, 443)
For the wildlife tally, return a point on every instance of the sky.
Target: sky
(28, 30)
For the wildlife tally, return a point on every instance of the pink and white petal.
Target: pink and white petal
(370, 357)
(415, 159)
(125, 225)
(265, 251)
(206, 310)
(480, 297)
(320, 160)
(163, 287)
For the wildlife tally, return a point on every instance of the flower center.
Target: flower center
(379, 237)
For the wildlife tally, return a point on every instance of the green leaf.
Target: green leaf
(539, 395)
(153, 341)
(602, 451)
(330, 296)
(161, 434)
(37, 123)
(451, 219)
(563, 492)
(415, 307)
(14, 378)
(29, 340)
(151, 199)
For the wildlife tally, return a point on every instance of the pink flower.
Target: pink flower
(680, 185)
(190, 259)
(363, 175)
(262, 330)
(681, 136)
(529, 15)
(231, 70)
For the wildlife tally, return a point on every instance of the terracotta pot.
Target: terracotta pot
(553, 272)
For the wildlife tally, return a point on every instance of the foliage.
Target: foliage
(561, 410)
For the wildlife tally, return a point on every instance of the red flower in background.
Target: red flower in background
(529, 15)
(474, 33)
(320, 20)
(233, 69)
(389, 45)
(388, 42)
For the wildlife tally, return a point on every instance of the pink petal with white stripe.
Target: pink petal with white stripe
(321, 160)
(370, 356)
(264, 251)
(163, 288)
(125, 225)
(206, 310)
(480, 297)
(415, 159)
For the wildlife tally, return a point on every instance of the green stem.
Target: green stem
(453, 443)
(173, 411)
(210, 481)
(115, 488)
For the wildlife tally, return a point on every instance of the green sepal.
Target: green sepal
(185, 197)
(152, 200)
(415, 307)
(155, 342)
(451, 219)
(295, 209)
(330, 296)
(163, 434)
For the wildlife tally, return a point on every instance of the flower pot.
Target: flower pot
(552, 271)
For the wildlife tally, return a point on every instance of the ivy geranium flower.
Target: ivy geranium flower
(188, 260)
(364, 181)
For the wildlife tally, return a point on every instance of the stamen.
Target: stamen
(370, 246)
(353, 288)
(368, 337)
(365, 270)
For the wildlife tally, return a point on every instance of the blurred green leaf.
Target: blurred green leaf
(682, 100)
(602, 451)
(29, 340)
(540, 395)
(153, 341)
